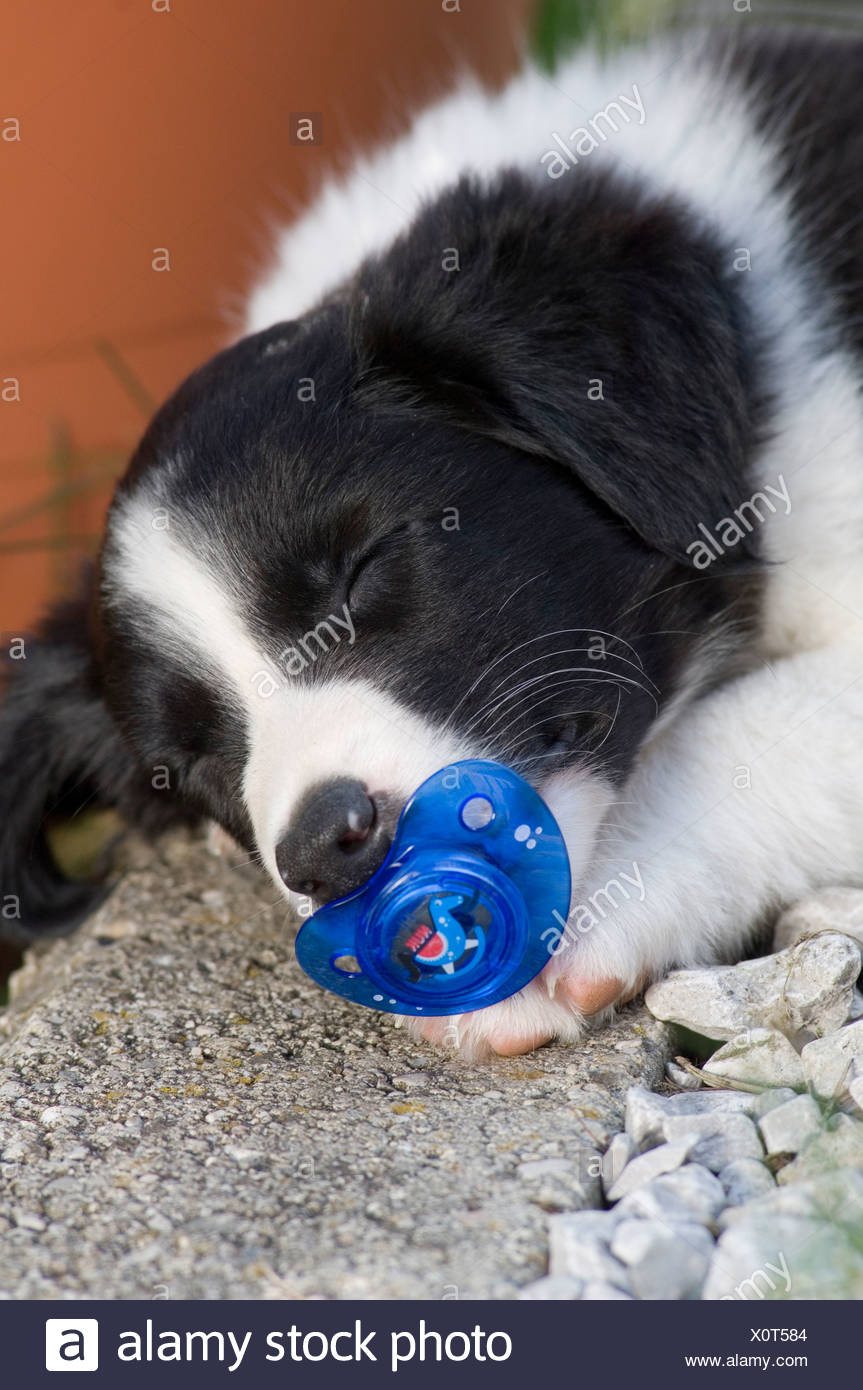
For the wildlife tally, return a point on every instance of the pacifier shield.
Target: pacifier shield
(464, 911)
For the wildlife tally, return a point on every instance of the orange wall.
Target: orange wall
(165, 123)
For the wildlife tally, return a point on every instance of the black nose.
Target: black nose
(336, 839)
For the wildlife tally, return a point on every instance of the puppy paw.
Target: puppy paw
(592, 995)
(559, 1004)
(519, 1024)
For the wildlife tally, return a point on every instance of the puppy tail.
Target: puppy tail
(60, 752)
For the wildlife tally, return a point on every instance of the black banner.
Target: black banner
(312, 1343)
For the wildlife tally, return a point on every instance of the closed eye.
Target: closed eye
(378, 577)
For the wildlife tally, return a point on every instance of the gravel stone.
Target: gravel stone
(61, 1116)
(558, 1184)
(807, 988)
(746, 1179)
(768, 1100)
(843, 1187)
(682, 1078)
(827, 1061)
(690, 1194)
(787, 1128)
(650, 1165)
(577, 1250)
(664, 1262)
(247, 1135)
(799, 1243)
(718, 1139)
(835, 910)
(761, 1057)
(646, 1113)
(852, 1094)
(617, 1155)
(838, 1145)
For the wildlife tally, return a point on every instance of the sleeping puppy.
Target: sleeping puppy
(545, 445)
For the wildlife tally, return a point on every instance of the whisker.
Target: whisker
(537, 684)
(519, 589)
(574, 651)
(541, 637)
(568, 714)
(597, 678)
(496, 703)
(613, 722)
(699, 579)
(492, 732)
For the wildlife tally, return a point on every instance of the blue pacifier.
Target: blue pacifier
(458, 915)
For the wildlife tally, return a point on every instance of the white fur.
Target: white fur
(714, 856)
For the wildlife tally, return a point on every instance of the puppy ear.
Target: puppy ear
(581, 323)
(60, 752)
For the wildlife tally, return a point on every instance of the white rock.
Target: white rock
(27, 1220)
(614, 1160)
(682, 1078)
(827, 1061)
(668, 1262)
(650, 1165)
(834, 1194)
(798, 1200)
(760, 1056)
(646, 1112)
(751, 1263)
(819, 989)
(855, 1010)
(558, 1184)
(543, 1168)
(412, 1081)
(768, 1100)
(245, 1157)
(690, 1194)
(553, 1286)
(836, 909)
(806, 988)
(745, 1179)
(589, 1225)
(71, 1153)
(800, 1243)
(578, 1248)
(786, 1129)
(67, 1116)
(838, 1145)
(718, 1139)
(852, 1094)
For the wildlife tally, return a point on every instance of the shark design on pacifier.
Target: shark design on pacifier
(461, 913)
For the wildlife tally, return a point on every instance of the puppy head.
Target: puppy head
(444, 515)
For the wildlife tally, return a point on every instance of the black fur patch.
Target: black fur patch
(561, 288)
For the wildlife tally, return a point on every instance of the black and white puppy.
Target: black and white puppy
(554, 455)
